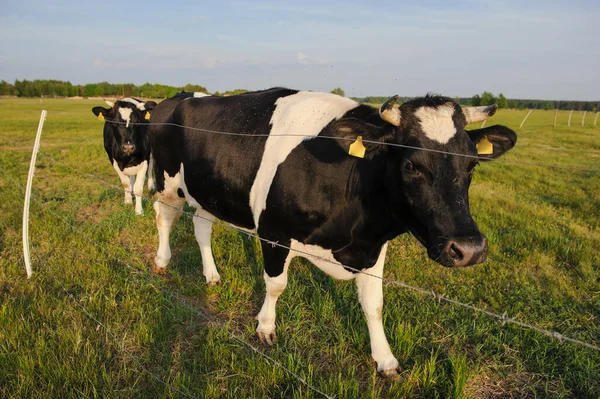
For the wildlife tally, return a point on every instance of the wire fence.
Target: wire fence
(504, 318)
(119, 343)
(306, 136)
(177, 296)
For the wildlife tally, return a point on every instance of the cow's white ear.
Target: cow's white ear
(492, 142)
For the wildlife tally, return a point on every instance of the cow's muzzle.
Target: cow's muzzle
(128, 148)
(460, 252)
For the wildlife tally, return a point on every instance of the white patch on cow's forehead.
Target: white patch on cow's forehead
(199, 94)
(437, 123)
(125, 114)
(304, 114)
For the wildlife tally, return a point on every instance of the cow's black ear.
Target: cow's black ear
(493, 141)
(150, 105)
(350, 129)
(100, 112)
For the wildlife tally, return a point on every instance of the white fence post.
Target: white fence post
(526, 116)
(596, 118)
(36, 147)
(569, 123)
(555, 115)
(583, 118)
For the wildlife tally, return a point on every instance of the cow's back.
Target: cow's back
(219, 168)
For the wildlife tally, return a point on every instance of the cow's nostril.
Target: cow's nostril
(455, 252)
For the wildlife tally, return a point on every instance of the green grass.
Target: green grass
(543, 225)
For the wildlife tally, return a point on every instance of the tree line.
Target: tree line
(487, 98)
(58, 88)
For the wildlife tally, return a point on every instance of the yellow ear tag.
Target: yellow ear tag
(357, 149)
(101, 117)
(484, 147)
(147, 116)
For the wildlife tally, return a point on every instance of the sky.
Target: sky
(523, 49)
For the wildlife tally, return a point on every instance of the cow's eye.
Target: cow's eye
(410, 167)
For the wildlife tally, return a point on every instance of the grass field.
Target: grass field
(543, 268)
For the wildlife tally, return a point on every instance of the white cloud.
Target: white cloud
(304, 59)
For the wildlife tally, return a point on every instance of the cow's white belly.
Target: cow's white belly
(323, 259)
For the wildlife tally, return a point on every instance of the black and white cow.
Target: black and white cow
(127, 146)
(294, 185)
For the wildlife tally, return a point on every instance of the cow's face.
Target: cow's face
(430, 189)
(126, 120)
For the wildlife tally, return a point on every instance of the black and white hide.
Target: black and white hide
(290, 178)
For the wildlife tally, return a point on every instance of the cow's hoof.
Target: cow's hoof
(214, 280)
(388, 368)
(267, 339)
(390, 373)
(159, 270)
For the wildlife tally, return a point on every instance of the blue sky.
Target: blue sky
(524, 49)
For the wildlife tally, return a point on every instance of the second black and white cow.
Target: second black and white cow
(127, 146)
(291, 179)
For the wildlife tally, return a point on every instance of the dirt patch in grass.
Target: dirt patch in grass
(90, 214)
(517, 385)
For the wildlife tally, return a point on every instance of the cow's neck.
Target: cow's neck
(359, 230)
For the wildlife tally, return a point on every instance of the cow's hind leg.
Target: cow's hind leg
(151, 185)
(203, 228)
(370, 295)
(277, 260)
(168, 210)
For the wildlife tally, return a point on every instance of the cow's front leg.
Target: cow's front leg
(168, 210)
(138, 187)
(370, 294)
(277, 261)
(126, 181)
(203, 228)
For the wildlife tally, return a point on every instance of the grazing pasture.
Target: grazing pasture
(543, 268)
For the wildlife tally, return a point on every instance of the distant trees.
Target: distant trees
(488, 98)
(230, 92)
(502, 101)
(338, 91)
(57, 88)
(6, 89)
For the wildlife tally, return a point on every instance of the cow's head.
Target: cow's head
(429, 184)
(126, 119)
